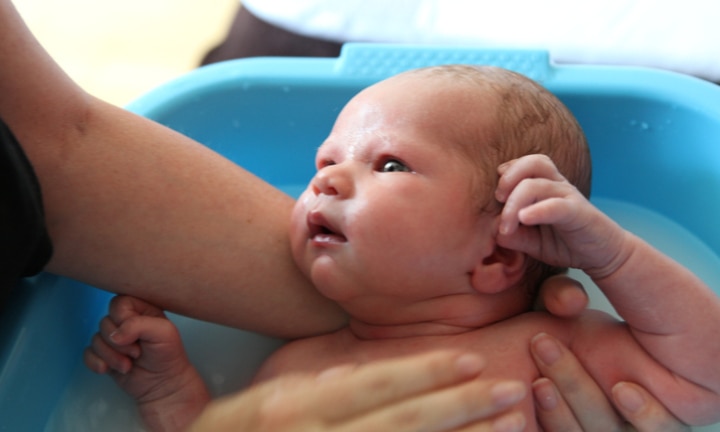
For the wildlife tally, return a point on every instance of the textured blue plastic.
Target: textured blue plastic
(654, 138)
(381, 61)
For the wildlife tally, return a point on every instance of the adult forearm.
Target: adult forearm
(135, 208)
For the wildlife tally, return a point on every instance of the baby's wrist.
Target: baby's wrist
(619, 248)
(178, 407)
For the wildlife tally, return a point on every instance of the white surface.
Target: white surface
(674, 35)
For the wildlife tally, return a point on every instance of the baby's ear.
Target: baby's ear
(500, 270)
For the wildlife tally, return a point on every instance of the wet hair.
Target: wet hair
(528, 119)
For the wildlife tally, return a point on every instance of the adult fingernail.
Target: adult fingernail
(514, 422)
(545, 395)
(546, 349)
(509, 393)
(504, 228)
(335, 371)
(469, 364)
(628, 397)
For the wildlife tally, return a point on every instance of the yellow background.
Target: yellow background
(118, 50)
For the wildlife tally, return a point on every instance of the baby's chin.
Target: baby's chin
(330, 281)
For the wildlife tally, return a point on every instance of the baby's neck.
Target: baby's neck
(364, 330)
(449, 315)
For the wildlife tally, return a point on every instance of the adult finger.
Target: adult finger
(643, 411)
(513, 421)
(579, 391)
(472, 406)
(553, 413)
(379, 384)
(447, 397)
(562, 296)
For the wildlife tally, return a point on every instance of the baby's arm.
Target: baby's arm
(141, 349)
(670, 312)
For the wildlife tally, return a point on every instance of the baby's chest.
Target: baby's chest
(507, 354)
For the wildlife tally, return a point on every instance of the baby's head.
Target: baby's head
(520, 117)
(402, 211)
(525, 119)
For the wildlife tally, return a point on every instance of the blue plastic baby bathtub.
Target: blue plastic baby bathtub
(655, 139)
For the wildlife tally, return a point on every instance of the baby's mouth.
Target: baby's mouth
(322, 231)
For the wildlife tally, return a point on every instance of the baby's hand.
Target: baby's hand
(547, 218)
(139, 347)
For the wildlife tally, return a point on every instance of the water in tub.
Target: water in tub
(228, 357)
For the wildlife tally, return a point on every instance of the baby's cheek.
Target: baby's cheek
(299, 211)
(298, 227)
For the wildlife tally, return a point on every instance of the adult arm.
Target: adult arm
(135, 208)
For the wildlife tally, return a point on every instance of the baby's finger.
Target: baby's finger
(124, 307)
(108, 330)
(537, 201)
(94, 362)
(527, 167)
(114, 359)
(146, 330)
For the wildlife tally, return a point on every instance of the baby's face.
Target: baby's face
(390, 211)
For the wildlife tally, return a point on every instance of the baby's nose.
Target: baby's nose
(332, 180)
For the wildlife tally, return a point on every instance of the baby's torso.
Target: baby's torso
(505, 346)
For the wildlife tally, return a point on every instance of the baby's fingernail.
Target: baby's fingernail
(123, 369)
(114, 336)
(135, 353)
(628, 397)
(503, 167)
(546, 348)
(514, 422)
(505, 394)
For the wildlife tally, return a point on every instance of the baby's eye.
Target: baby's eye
(325, 163)
(393, 165)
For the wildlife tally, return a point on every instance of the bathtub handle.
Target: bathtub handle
(378, 61)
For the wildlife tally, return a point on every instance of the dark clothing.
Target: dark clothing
(25, 246)
(250, 36)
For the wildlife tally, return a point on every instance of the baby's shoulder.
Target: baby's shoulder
(520, 329)
(309, 355)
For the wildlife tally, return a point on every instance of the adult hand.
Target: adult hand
(568, 399)
(432, 392)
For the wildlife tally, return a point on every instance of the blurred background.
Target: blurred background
(118, 50)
